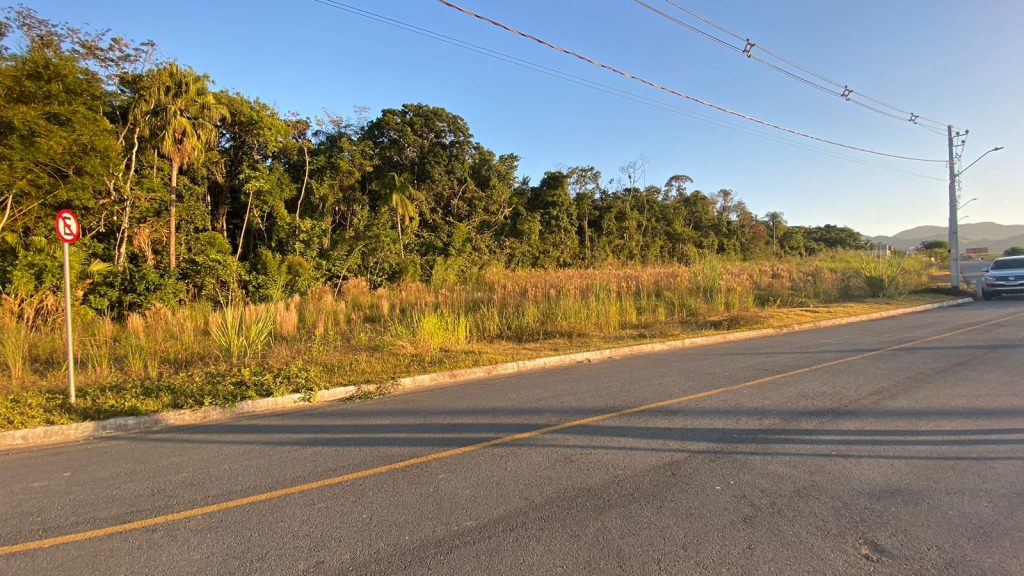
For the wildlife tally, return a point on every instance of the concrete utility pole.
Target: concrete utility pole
(954, 232)
(954, 205)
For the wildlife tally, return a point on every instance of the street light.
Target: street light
(961, 218)
(996, 149)
(954, 222)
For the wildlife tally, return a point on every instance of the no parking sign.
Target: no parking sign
(69, 230)
(67, 226)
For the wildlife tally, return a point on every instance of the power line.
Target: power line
(844, 92)
(677, 92)
(797, 77)
(798, 66)
(692, 28)
(605, 88)
(465, 45)
(742, 50)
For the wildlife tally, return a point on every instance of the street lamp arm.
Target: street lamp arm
(996, 149)
(965, 203)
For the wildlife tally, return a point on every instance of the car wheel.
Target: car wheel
(986, 295)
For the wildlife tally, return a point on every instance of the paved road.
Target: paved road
(892, 447)
(973, 270)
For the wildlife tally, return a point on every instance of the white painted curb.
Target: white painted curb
(79, 431)
(70, 432)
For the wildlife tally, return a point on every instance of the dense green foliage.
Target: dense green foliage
(937, 250)
(939, 245)
(189, 193)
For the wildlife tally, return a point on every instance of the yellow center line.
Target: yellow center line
(203, 510)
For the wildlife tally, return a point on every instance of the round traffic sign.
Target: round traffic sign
(66, 224)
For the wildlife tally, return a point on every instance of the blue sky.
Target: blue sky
(958, 62)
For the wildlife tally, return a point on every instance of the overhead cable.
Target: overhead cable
(608, 89)
(675, 92)
(746, 49)
(844, 90)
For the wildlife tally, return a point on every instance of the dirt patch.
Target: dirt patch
(871, 550)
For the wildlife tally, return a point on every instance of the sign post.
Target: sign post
(68, 230)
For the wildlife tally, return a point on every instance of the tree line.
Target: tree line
(186, 192)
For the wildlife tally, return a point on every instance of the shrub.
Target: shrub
(434, 330)
(135, 287)
(273, 277)
(14, 345)
(30, 267)
(241, 333)
(210, 272)
(266, 278)
(890, 277)
(300, 275)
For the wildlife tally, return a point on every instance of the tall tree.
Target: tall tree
(399, 194)
(777, 224)
(56, 146)
(180, 115)
(299, 128)
(584, 187)
(255, 185)
(550, 200)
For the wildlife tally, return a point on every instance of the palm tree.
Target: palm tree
(397, 191)
(180, 114)
(778, 224)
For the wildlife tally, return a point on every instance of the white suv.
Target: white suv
(1006, 276)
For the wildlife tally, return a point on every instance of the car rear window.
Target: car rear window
(1008, 264)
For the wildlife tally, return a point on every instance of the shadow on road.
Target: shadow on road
(452, 429)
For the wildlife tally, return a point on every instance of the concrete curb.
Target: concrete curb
(44, 435)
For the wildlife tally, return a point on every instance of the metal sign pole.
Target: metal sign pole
(67, 323)
(69, 230)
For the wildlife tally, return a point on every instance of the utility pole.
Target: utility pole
(954, 232)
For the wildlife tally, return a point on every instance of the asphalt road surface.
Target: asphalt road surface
(888, 447)
(973, 270)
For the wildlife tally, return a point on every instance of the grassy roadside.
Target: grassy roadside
(373, 365)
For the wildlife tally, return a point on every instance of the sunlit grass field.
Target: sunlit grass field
(199, 355)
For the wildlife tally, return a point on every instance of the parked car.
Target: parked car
(1006, 276)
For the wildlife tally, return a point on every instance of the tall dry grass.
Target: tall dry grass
(333, 326)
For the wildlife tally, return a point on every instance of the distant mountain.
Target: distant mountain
(921, 232)
(995, 237)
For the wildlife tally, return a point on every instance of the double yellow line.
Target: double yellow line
(203, 510)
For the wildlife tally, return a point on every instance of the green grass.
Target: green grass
(195, 356)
